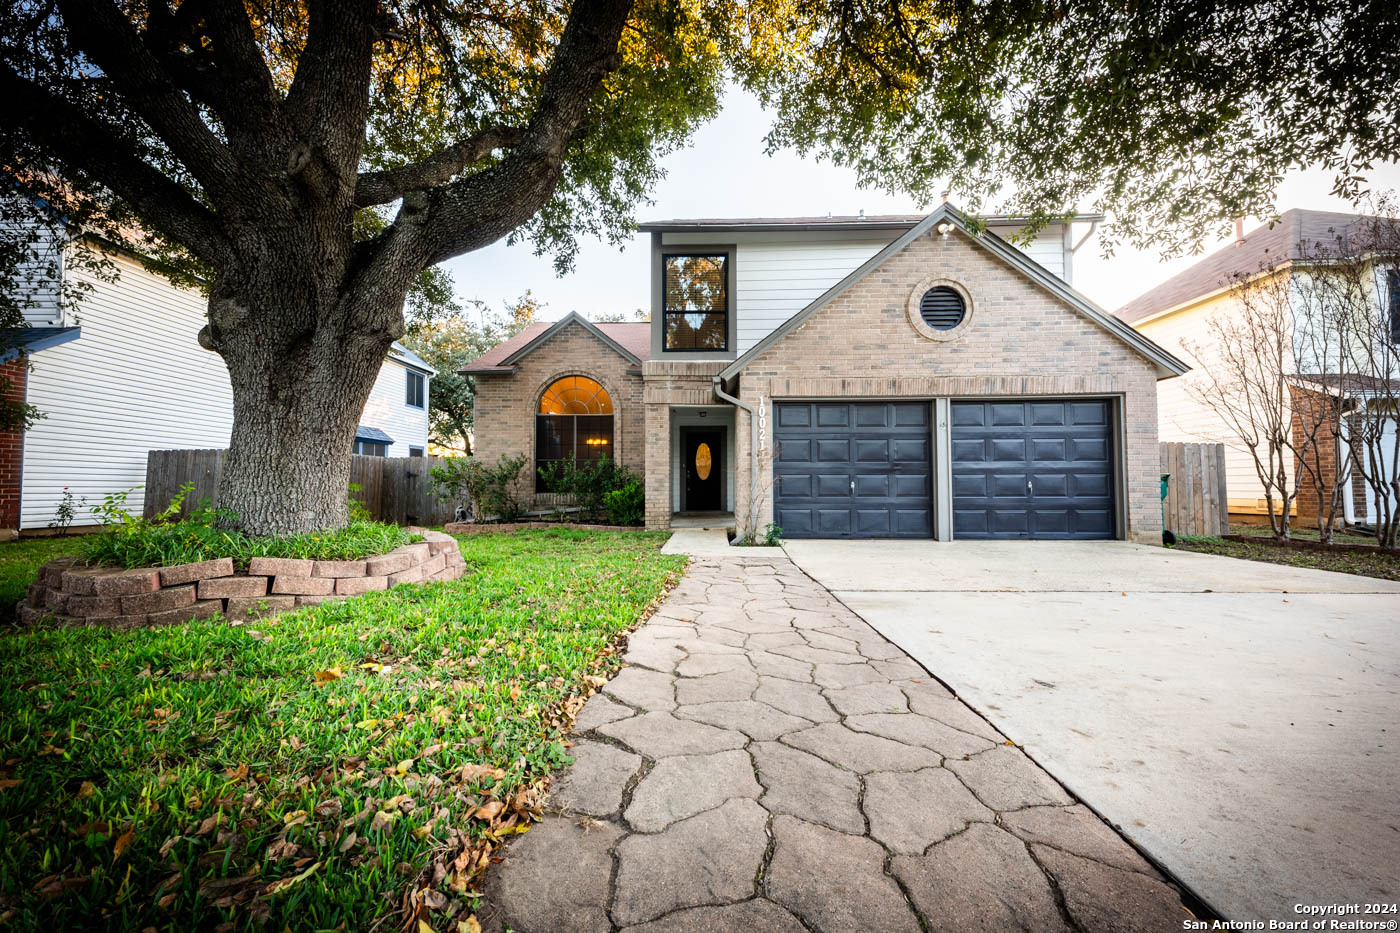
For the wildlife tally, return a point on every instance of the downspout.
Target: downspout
(753, 439)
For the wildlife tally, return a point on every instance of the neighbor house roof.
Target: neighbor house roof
(33, 339)
(1167, 365)
(1264, 246)
(631, 340)
(406, 356)
(838, 222)
(366, 433)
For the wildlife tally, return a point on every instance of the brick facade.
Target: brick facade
(1019, 340)
(15, 375)
(506, 403)
(1317, 423)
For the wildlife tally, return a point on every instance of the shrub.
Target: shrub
(589, 482)
(493, 490)
(128, 540)
(627, 506)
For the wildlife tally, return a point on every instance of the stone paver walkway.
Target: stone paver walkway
(766, 761)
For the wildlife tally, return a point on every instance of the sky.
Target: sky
(724, 173)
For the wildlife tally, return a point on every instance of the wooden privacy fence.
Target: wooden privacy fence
(394, 489)
(1196, 503)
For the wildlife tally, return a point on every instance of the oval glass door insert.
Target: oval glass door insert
(702, 461)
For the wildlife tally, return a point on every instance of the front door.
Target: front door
(704, 471)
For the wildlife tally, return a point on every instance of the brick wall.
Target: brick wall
(1019, 340)
(15, 375)
(1316, 425)
(506, 404)
(672, 382)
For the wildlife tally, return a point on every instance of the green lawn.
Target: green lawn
(1384, 566)
(303, 772)
(20, 562)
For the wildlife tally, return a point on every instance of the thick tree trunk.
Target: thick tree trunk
(298, 396)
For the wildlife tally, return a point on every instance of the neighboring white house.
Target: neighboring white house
(1178, 313)
(124, 374)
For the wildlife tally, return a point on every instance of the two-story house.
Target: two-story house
(123, 374)
(1290, 252)
(882, 376)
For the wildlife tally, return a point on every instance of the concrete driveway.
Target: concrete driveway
(1238, 721)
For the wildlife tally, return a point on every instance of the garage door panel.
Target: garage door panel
(1007, 415)
(1008, 450)
(871, 486)
(870, 450)
(1062, 446)
(909, 450)
(911, 486)
(869, 474)
(795, 451)
(796, 485)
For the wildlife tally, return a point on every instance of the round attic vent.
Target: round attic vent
(942, 308)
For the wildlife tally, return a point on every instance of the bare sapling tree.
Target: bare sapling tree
(1324, 327)
(1243, 366)
(1361, 279)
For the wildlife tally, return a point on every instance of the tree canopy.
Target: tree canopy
(305, 162)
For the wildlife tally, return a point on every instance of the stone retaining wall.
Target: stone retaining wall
(67, 592)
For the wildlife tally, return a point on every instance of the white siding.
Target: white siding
(137, 380)
(1184, 418)
(777, 274)
(389, 411)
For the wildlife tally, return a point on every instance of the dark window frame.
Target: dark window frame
(724, 256)
(365, 448)
(557, 434)
(416, 388)
(415, 451)
(1392, 281)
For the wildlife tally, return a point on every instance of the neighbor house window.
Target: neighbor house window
(415, 451)
(415, 389)
(575, 420)
(695, 301)
(371, 448)
(1392, 281)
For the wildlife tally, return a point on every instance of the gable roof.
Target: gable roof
(1263, 246)
(631, 340)
(1167, 365)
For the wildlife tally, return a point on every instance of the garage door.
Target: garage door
(852, 469)
(1032, 469)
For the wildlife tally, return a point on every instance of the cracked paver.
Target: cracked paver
(766, 761)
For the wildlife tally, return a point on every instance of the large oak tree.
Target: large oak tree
(308, 160)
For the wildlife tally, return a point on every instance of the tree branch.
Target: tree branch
(78, 140)
(474, 211)
(438, 168)
(111, 41)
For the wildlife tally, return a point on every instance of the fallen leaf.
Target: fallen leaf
(348, 842)
(208, 825)
(283, 884)
(7, 783)
(329, 809)
(490, 810)
(124, 840)
(469, 925)
(328, 675)
(94, 827)
(382, 821)
(238, 773)
(85, 790)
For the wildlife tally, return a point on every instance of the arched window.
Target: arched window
(575, 420)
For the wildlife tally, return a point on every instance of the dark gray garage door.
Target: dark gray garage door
(852, 469)
(1032, 469)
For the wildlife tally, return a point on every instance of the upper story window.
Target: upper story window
(695, 301)
(416, 385)
(415, 451)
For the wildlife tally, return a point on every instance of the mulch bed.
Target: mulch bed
(473, 528)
